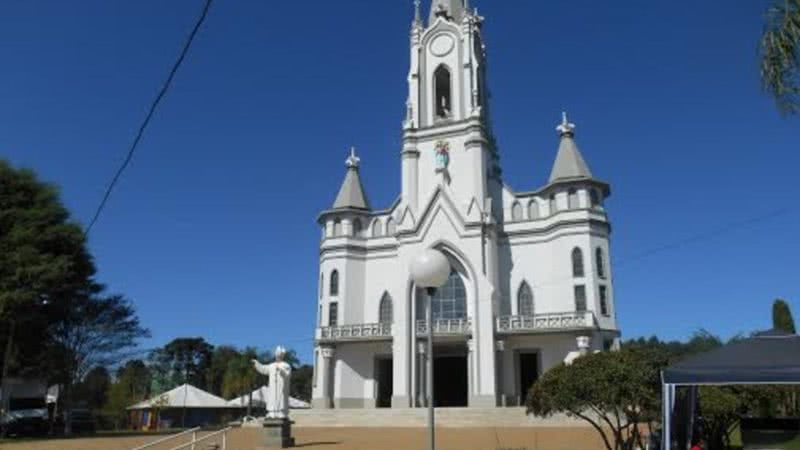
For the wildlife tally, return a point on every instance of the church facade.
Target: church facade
(531, 275)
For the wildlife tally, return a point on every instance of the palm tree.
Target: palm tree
(780, 55)
(240, 378)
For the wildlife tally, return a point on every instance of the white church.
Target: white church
(531, 277)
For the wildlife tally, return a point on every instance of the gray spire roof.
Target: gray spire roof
(454, 8)
(351, 194)
(569, 161)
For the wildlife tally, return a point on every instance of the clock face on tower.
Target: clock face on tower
(442, 45)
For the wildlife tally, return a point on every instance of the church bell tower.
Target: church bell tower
(447, 136)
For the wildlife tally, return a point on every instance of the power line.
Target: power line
(164, 88)
(710, 234)
(699, 237)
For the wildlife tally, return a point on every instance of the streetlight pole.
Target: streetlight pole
(431, 429)
(430, 270)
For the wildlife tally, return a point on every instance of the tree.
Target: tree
(132, 385)
(782, 316)
(93, 389)
(302, 380)
(184, 360)
(615, 392)
(240, 377)
(43, 256)
(220, 360)
(780, 55)
(93, 330)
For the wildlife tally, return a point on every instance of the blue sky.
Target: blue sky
(212, 229)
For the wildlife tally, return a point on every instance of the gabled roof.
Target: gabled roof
(569, 162)
(351, 194)
(185, 396)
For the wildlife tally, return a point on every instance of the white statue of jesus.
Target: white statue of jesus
(279, 374)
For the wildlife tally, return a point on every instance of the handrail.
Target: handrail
(223, 432)
(165, 439)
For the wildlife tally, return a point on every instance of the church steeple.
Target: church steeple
(351, 194)
(569, 164)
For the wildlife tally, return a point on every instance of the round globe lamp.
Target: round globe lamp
(430, 270)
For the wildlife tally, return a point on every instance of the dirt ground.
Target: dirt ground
(534, 438)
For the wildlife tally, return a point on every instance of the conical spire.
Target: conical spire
(569, 162)
(351, 194)
(452, 8)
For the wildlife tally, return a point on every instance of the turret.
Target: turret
(571, 184)
(350, 211)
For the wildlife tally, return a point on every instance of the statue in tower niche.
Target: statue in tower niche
(279, 373)
(442, 155)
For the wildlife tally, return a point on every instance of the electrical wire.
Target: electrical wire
(162, 92)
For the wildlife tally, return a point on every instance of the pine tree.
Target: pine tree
(782, 316)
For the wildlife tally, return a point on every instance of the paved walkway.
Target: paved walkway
(366, 439)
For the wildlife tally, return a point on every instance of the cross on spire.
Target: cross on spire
(565, 128)
(352, 161)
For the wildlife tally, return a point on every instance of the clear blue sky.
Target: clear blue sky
(212, 230)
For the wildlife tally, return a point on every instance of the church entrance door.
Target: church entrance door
(450, 383)
(528, 373)
(384, 377)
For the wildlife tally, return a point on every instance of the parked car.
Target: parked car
(26, 417)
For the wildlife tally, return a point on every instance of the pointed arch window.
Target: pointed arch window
(577, 262)
(594, 197)
(525, 300)
(553, 204)
(334, 288)
(385, 314)
(516, 212)
(337, 228)
(391, 227)
(600, 261)
(442, 92)
(357, 228)
(377, 231)
(572, 198)
(450, 301)
(321, 284)
(533, 210)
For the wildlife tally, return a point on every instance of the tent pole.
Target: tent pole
(666, 429)
(692, 410)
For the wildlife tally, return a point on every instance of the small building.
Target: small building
(183, 407)
(261, 403)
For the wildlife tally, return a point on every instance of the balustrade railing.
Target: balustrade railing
(547, 321)
(356, 331)
(445, 326)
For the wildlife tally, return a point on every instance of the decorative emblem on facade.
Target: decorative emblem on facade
(442, 150)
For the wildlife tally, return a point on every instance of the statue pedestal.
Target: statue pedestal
(277, 433)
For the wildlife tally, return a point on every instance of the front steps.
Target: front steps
(418, 417)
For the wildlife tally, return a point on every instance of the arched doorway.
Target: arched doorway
(450, 366)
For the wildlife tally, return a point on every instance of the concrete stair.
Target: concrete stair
(417, 417)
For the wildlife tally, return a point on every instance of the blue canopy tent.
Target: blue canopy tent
(771, 357)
